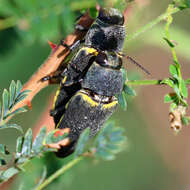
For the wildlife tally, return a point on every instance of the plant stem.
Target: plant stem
(143, 82)
(58, 173)
(152, 23)
(149, 82)
(187, 81)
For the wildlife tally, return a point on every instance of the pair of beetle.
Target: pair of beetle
(92, 79)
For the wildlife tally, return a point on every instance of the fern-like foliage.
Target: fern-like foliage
(26, 150)
(9, 100)
(126, 92)
(105, 145)
(177, 98)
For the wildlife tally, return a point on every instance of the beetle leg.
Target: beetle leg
(72, 47)
(81, 28)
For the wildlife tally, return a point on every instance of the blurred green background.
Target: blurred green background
(154, 158)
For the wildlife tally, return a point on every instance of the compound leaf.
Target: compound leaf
(5, 97)
(81, 145)
(129, 91)
(38, 142)
(27, 144)
(10, 126)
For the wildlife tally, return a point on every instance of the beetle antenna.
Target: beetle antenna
(137, 64)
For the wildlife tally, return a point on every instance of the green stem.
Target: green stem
(58, 173)
(187, 81)
(143, 82)
(152, 23)
(149, 82)
(172, 47)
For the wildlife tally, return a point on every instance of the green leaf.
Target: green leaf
(124, 74)
(184, 90)
(177, 91)
(19, 110)
(38, 142)
(20, 98)
(185, 120)
(3, 149)
(12, 91)
(113, 148)
(53, 138)
(19, 144)
(93, 12)
(11, 126)
(129, 91)
(118, 139)
(168, 98)
(0, 113)
(81, 145)
(27, 144)
(18, 88)
(104, 154)
(25, 92)
(169, 82)
(173, 71)
(107, 129)
(169, 42)
(173, 106)
(187, 81)
(122, 101)
(5, 97)
(8, 173)
(109, 141)
(117, 131)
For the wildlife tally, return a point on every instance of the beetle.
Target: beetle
(89, 85)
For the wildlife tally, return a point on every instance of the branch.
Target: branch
(59, 172)
(152, 24)
(149, 82)
(143, 82)
(53, 62)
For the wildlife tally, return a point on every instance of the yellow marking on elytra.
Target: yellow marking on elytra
(59, 122)
(66, 106)
(88, 99)
(120, 54)
(110, 105)
(64, 80)
(90, 50)
(55, 98)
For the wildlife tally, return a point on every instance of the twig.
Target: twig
(149, 82)
(143, 82)
(153, 23)
(53, 62)
(59, 172)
